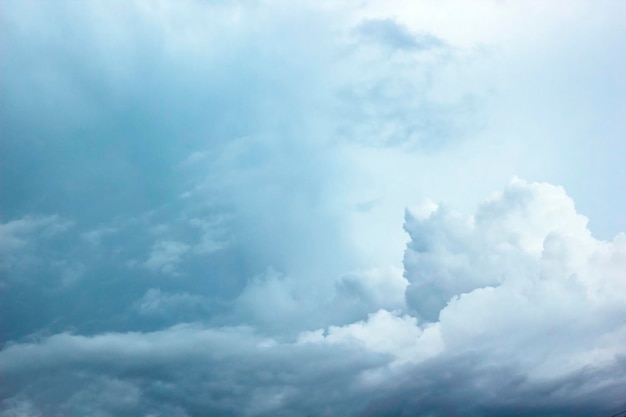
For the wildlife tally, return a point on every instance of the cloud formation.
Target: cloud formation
(526, 232)
(202, 209)
(529, 321)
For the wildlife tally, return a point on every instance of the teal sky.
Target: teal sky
(255, 208)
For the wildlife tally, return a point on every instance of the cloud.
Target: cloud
(286, 305)
(190, 369)
(529, 233)
(17, 234)
(96, 236)
(211, 235)
(155, 302)
(165, 256)
(34, 242)
(202, 207)
(394, 100)
(377, 287)
(393, 34)
(384, 332)
(531, 323)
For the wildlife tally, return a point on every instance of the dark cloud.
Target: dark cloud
(195, 370)
(468, 385)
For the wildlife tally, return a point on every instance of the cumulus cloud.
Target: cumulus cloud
(528, 234)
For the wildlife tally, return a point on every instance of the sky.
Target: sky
(314, 208)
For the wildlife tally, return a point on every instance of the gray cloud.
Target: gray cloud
(195, 370)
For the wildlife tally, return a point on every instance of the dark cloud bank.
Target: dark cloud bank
(173, 240)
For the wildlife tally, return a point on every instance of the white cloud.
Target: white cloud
(522, 275)
(384, 332)
(512, 237)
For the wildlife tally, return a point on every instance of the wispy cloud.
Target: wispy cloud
(390, 33)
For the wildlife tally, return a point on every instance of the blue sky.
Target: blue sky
(255, 208)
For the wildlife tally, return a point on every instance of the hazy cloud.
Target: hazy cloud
(156, 303)
(17, 234)
(165, 256)
(393, 34)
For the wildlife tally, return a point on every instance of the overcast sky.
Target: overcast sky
(312, 208)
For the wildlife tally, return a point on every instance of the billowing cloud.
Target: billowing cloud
(519, 234)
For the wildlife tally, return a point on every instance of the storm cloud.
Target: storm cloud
(244, 208)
